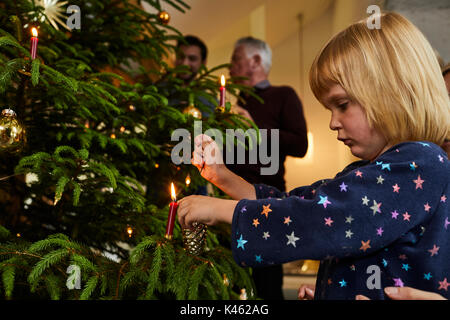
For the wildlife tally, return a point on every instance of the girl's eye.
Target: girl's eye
(343, 106)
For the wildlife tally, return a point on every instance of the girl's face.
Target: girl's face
(349, 119)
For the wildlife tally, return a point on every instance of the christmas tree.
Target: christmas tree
(85, 187)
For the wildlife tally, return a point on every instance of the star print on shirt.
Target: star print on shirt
(427, 276)
(348, 234)
(441, 158)
(255, 222)
(343, 187)
(386, 166)
(398, 282)
(426, 207)
(258, 258)
(380, 231)
(406, 216)
(266, 235)
(349, 219)
(443, 198)
(266, 210)
(328, 221)
(292, 239)
(365, 201)
(241, 242)
(380, 179)
(324, 201)
(396, 188)
(434, 250)
(343, 283)
(244, 209)
(287, 220)
(394, 214)
(358, 173)
(365, 245)
(413, 166)
(443, 285)
(376, 207)
(419, 182)
(446, 223)
(405, 266)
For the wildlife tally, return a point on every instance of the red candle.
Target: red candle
(172, 213)
(222, 91)
(34, 42)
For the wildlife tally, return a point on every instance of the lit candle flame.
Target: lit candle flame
(173, 195)
(34, 32)
(222, 81)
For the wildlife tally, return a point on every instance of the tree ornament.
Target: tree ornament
(194, 240)
(243, 295)
(53, 12)
(220, 109)
(163, 17)
(226, 282)
(12, 132)
(193, 111)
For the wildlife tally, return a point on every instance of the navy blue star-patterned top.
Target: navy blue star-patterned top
(376, 224)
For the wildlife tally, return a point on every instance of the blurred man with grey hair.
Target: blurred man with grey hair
(281, 110)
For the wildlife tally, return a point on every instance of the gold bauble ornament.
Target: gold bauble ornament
(164, 17)
(12, 132)
(193, 111)
(194, 240)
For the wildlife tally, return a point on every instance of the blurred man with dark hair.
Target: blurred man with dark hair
(192, 53)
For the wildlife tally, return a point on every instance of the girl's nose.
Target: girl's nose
(335, 124)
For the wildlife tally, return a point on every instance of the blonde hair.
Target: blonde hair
(393, 73)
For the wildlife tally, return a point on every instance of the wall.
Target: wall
(431, 17)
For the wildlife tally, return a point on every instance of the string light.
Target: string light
(122, 129)
(130, 231)
(188, 180)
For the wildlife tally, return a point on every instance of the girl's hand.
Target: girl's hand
(306, 292)
(205, 210)
(208, 159)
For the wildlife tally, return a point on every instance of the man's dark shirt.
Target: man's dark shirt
(282, 109)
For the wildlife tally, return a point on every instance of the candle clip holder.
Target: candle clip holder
(194, 240)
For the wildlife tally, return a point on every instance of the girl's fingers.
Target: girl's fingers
(182, 212)
(309, 292)
(197, 160)
(301, 293)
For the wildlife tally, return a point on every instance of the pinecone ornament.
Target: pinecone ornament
(194, 240)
